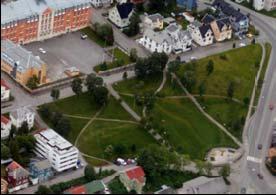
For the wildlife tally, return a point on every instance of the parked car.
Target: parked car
(260, 176)
(83, 36)
(260, 146)
(121, 162)
(41, 50)
(242, 44)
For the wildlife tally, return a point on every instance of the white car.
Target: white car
(242, 44)
(41, 50)
(193, 58)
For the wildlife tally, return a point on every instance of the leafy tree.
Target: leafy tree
(92, 81)
(100, 95)
(189, 80)
(174, 66)
(55, 118)
(231, 90)
(133, 28)
(125, 76)
(246, 101)
(202, 88)
(89, 173)
(77, 86)
(26, 141)
(14, 149)
(120, 149)
(103, 66)
(105, 31)
(12, 132)
(225, 171)
(236, 125)
(133, 55)
(5, 152)
(55, 94)
(44, 111)
(210, 67)
(63, 127)
(32, 82)
(149, 100)
(24, 129)
(43, 190)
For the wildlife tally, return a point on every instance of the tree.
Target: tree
(32, 82)
(14, 149)
(24, 129)
(133, 55)
(174, 66)
(149, 100)
(26, 141)
(189, 80)
(77, 86)
(103, 66)
(63, 127)
(133, 28)
(92, 81)
(231, 90)
(55, 118)
(5, 152)
(44, 111)
(100, 95)
(253, 41)
(43, 190)
(125, 76)
(55, 94)
(225, 171)
(234, 45)
(12, 132)
(246, 101)
(105, 31)
(202, 88)
(273, 162)
(89, 173)
(210, 67)
(119, 149)
(236, 125)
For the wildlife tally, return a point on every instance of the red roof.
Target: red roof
(77, 190)
(13, 166)
(136, 173)
(4, 119)
(4, 84)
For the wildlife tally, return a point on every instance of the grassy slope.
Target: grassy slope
(240, 68)
(188, 128)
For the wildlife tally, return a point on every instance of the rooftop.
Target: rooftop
(4, 119)
(18, 56)
(21, 113)
(42, 164)
(54, 140)
(89, 188)
(22, 9)
(136, 173)
(4, 84)
(125, 9)
(155, 17)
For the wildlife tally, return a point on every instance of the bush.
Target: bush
(89, 173)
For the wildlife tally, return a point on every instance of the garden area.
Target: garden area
(120, 58)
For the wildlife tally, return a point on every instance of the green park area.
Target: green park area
(119, 58)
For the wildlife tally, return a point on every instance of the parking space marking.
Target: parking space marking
(254, 159)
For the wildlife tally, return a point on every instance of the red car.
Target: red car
(271, 106)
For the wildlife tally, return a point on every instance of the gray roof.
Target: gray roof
(196, 24)
(15, 54)
(159, 37)
(22, 9)
(172, 28)
(155, 17)
(21, 112)
(42, 164)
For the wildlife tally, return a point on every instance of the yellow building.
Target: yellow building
(154, 21)
(21, 64)
(222, 29)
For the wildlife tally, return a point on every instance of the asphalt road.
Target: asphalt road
(260, 127)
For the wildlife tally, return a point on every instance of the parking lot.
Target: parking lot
(68, 51)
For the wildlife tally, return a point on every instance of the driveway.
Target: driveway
(67, 51)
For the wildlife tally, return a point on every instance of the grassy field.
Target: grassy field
(238, 67)
(94, 37)
(226, 112)
(171, 88)
(120, 59)
(189, 131)
(101, 134)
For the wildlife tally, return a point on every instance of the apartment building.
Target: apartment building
(25, 21)
(5, 91)
(21, 115)
(154, 21)
(120, 14)
(21, 64)
(201, 34)
(61, 153)
(270, 5)
(259, 4)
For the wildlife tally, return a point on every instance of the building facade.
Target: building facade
(259, 4)
(201, 34)
(21, 115)
(5, 127)
(222, 29)
(154, 21)
(18, 177)
(25, 21)
(5, 91)
(270, 5)
(120, 14)
(21, 64)
(61, 154)
(41, 170)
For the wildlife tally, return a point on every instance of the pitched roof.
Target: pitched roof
(4, 84)
(204, 29)
(4, 119)
(155, 17)
(18, 170)
(21, 113)
(89, 188)
(207, 19)
(125, 9)
(136, 173)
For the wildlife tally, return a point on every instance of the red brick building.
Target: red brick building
(25, 21)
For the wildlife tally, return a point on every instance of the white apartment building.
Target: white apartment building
(5, 91)
(5, 127)
(201, 34)
(259, 4)
(100, 3)
(61, 153)
(264, 4)
(24, 114)
(172, 39)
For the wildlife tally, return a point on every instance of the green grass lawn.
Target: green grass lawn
(102, 134)
(131, 102)
(189, 131)
(226, 112)
(136, 86)
(239, 68)
(76, 126)
(94, 37)
(120, 59)
(171, 88)
(75, 105)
